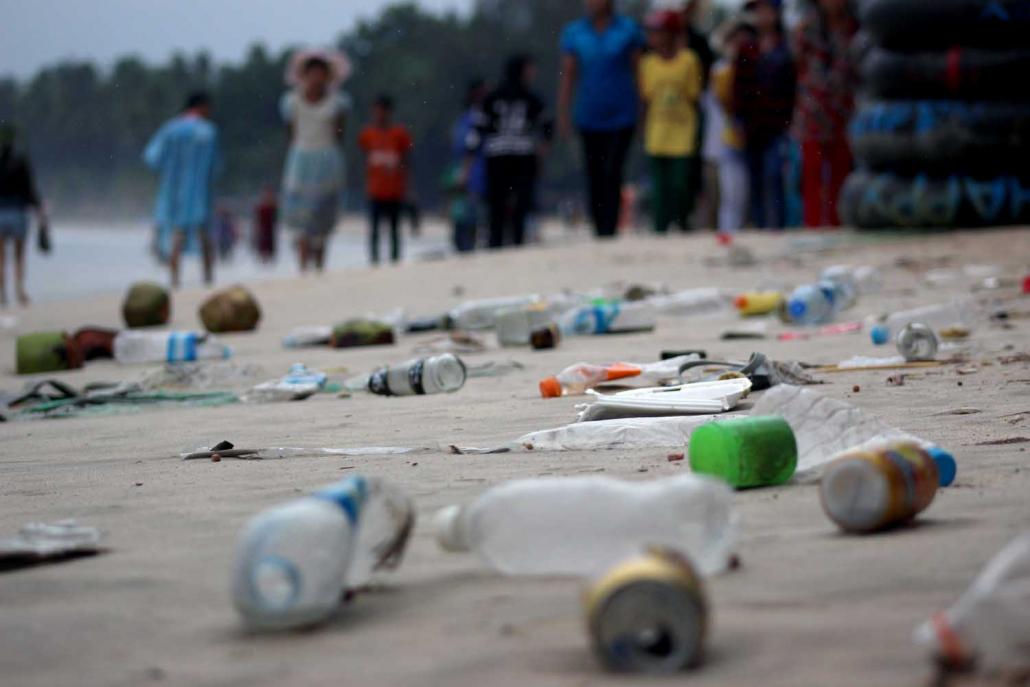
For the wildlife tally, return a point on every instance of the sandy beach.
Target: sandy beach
(808, 606)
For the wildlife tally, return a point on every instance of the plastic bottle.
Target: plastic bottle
(825, 428)
(863, 279)
(754, 303)
(693, 302)
(441, 374)
(303, 337)
(134, 347)
(294, 561)
(482, 314)
(818, 303)
(989, 625)
(917, 343)
(963, 312)
(609, 317)
(577, 379)
(746, 452)
(583, 525)
(866, 491)
(516, 325)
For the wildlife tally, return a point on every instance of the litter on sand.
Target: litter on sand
(39, 543)
(703, 398)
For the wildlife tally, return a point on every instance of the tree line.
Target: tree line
(85, 127)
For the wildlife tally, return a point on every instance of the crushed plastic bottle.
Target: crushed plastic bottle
(576, 379)
(294, 561)
(299, 383)
(609, 317)
(826, 428)
(440, 374)
(988, 628)
(964, 312)
(135, 347)
(815, 304)
(582, 525)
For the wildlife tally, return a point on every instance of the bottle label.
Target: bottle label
(350, 495)
(182, 347)
(416, 375)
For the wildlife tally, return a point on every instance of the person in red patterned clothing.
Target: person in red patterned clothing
(827, 81)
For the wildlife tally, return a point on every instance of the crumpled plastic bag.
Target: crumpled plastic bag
(38, 542)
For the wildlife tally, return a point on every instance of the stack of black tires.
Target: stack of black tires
(942, 138)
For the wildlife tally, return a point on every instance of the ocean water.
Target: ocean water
(90, 259)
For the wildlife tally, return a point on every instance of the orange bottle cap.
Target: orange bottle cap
(550, 388)
(740, 302)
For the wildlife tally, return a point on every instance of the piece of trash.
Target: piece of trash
(133, 347)
(441, 374)
(828, 330)
(47, 352)
(298, 384)
(964, 312)
(676, 457)
(757, 451)
(825, 428)
(38, 543)
(609, 317)
(959, 411)
(896, 380)
(583, 525)
(757, 303)
(146, 305)
(232, 310)
(966, 370)
(867, 363)
(51, 398)
(790, 372)
(361, 332)
(648, 614)
(481, 314)
(867, 491)
(294, 561)
(863, 279)
(1014, 359)
(987, 629)
(703, 302)
(458, 342)
(294, 452)
(856, 389)
(577, 379)
(516, 325)
(747, 331)
(819, 304)
(703, 398)
(917, 343)
(1005, 442)
(494, 369)
(545, 338)
(303, 337)
(223, 375)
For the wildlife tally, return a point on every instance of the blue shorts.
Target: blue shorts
(14, 223)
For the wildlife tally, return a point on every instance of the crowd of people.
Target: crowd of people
(723, 117)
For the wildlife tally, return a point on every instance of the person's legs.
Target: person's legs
(680, 204)
(375, 211)
(499, 182)
(207, 249)
(175, 256)
(773, 181)
(753, 159)
(812, 189)
(841, 163)
(393, 214)
(318, 247)
(593, 156)
(660, 194)
(734, 183)
(303, 251)
(523, 186)
(19, 272)
(617, 149)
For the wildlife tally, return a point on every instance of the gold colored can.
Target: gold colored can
(648, 615)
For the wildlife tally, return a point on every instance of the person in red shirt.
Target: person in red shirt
(387, 148)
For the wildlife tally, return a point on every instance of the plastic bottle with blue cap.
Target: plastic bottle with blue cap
(964, 312)
(815, 304)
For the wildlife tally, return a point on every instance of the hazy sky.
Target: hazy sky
(34, 33)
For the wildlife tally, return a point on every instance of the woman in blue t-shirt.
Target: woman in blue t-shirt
(599, 66)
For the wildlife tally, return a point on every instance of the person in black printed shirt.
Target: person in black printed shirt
(510, 135)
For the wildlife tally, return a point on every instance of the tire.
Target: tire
(941, 24)
(958, 73)
(881, 201)
(943, 137)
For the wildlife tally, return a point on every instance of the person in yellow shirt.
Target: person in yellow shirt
(670, 86)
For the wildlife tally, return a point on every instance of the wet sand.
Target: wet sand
(808, 606)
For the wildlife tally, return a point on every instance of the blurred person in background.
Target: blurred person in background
(18, 195)
(315, 110)
(598, 92)
(698, 43)
(827, 81)
(734, 177)
(513, 134)
(387, 148)
(185, 154)
(671, 78)
(468, 182)
(266, 217)
(764, 89)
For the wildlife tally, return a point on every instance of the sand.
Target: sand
(808, 607)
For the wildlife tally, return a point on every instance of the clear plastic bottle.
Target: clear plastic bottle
(963, 312)
(820, 303)
(482, 314)
(826, 428)
(583, 525)
(693, 302)
(609, 317)
(988, 627)
(441, 374)
(134, 347)
(863, 279)
(294, 561)
(576, 379)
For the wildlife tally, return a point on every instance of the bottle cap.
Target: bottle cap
(880, 334)
(797, 309)
(447, 526)
(947, 468)
(550, 388)
(740, 302)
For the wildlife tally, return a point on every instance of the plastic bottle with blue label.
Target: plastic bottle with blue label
(962, 313)
(135, 347)
(295, 561)
(609, 317)
(816, 304)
